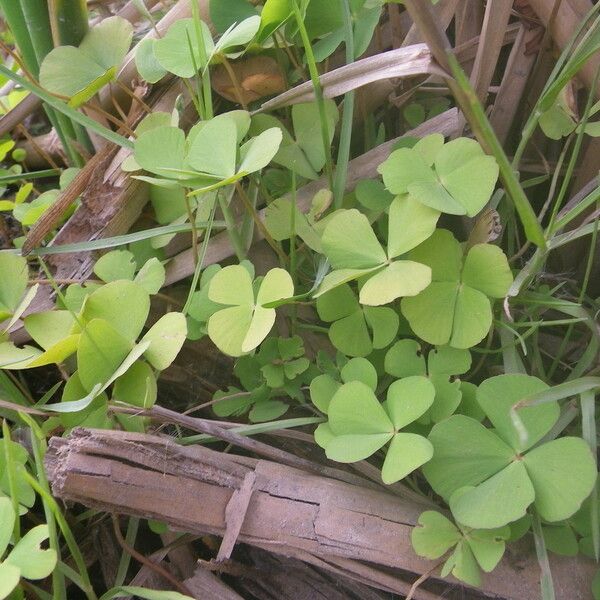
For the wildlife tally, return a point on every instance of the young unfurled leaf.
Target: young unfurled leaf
(245, 324)
(410, 224)
(359, 425)
(80, 72)
(456, 309)
(456, 177)
(508, 476)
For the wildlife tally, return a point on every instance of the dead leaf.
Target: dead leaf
(257, 77)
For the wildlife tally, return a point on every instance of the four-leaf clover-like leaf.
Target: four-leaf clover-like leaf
(456, 178)
(455, 308)
(490, 477)
(354, 251)
(359, 425)
(246, 322)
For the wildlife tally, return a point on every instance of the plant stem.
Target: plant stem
(68, 21)
(314, 76)
(232, 231)
(341, 170)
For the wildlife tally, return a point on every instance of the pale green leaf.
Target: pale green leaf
(431, 313)
(166, 338)
(258, 152)
(100, 352)
(497, 395)
(13, 282)
(404, 358)
(359, 369)
(276, 285)
(178, 51)
(408, 399)
(563, 473)
(407, 452)
(228, 328)
(383, 323)
(322, 389)
(123, 304)
(114, 265)
(472, 318)
(7, 522)
(108, 42)
(137, 386)
(410, 224)
(486, 269)
(145, 62)
(499, 500)
(340, 245)
(340, 277)
(399, 279)
(465, 454)
(232, 285)
(151, 276)
(9, 579)
(214, 149)
(434, 535)
(488, 546)
(354, 410)
(49, 327)
(442, 253)
(351, 448)
(170, 140)
(351, 336)
(29, 558)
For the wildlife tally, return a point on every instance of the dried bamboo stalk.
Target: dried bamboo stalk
(320, 520)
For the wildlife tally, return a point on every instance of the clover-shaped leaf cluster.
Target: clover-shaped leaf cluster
(26, 559)
(456, 177)
(79, 73)
(490, 477)
(455, 308)
(405, 359)
(472, 549)
(209, 157)
(356, 330)
(359, 425)
(354, 251)
(245, 323)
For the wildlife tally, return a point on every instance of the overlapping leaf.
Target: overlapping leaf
(354, 252)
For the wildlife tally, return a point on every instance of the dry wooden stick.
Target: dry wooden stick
(47, 222)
